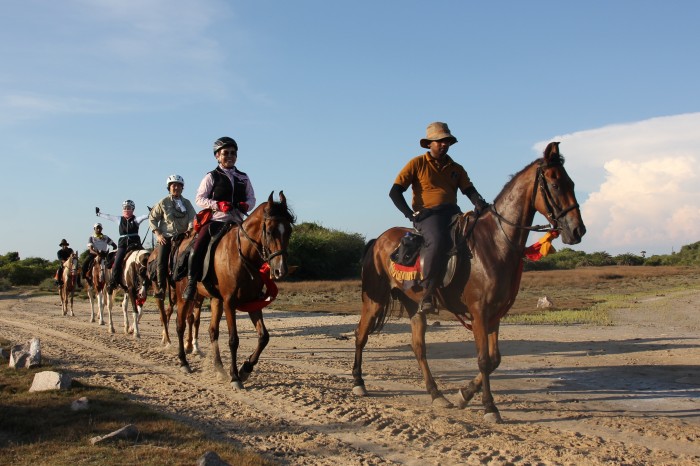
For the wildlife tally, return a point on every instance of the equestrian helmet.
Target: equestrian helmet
(175, 179)
(128, 205)
(96, 226)
(224, 142)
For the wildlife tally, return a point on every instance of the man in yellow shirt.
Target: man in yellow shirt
(434, 179)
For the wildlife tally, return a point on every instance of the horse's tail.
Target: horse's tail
(368, 267)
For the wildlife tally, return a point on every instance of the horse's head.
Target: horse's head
(277, 224)
(72, 263)
(554, 196)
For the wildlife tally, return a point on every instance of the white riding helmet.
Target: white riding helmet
(94, 227)
(175, 179)
(128, 204)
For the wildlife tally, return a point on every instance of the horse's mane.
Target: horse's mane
(556, 159)
(279, 209)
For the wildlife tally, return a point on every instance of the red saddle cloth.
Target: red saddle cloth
(406, 272)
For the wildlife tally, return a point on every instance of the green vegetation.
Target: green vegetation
(326, 254)
(37, 426)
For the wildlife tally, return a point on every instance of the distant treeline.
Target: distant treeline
(326, 254)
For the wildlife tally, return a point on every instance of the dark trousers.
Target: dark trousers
(199, 249)
(162, 262)
(87, 265)
(435, 229)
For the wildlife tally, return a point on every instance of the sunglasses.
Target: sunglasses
(228, 152)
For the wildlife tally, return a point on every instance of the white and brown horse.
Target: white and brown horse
(135, 283)
(69, 276)
(99, 273)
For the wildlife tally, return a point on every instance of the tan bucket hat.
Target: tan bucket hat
(435, 132)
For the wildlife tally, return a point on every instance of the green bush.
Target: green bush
(325, 254)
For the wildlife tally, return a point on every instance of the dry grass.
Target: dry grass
(580, 295)
(40, 428)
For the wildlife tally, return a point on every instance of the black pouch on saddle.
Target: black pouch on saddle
(407, 251)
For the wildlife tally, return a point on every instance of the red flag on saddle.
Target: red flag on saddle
(542, 247)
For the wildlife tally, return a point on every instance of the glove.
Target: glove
(223, 206)
(243, 207)
(97, 211)
(481, 207)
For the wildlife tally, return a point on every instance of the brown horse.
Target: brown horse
(166, 311)
(485, 282)
(69, 275)
(262, 238)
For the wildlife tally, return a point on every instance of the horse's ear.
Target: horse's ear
(283, 198)
(551, 151)
(269, 199)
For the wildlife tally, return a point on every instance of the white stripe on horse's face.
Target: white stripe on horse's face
(281, 229)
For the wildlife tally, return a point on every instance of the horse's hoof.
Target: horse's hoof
(237, 385)
(185, 369)
(92, 321)
(111, 330)
(359, 390)
(243, 375)
(442, 402)
(493, 418)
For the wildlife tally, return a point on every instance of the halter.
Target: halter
(554, 212)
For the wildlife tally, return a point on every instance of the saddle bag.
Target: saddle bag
(407, 251)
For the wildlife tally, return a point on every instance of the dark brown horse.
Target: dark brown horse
(262, 238)
(485, 285)
(166, 310)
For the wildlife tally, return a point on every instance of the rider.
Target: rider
(228, 192)
(128, 237)
(171, 219)
(97, 243)
(63, 254)
(434, 179)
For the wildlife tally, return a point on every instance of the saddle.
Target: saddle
(181, 263)
(406, 262)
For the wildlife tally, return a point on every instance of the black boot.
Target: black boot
(160, 292)
(190, 289)
(426, 305)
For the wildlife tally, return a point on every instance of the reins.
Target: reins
(548, 199)
(263, 251)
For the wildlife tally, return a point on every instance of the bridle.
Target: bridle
(554, 211)
(261, 247)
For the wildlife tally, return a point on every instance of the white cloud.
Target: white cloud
(640, 184)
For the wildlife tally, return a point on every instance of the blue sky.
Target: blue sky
(101, 100)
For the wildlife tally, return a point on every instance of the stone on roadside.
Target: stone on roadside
(26, 355)
(50, 380)
(210, 458)
(544, 303)
(81, 404)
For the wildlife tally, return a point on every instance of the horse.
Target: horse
(485, 281)
(193, 319)
(69, 275)
(96, 290)
(135, 282)
(240, 271)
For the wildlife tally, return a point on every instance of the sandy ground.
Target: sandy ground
(627, 394)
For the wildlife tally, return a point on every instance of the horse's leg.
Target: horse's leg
(190, 322)
(183, 308)
(488, 358)
(136, 309)
(125, 304)
(91, 298)
(72, 292)
(101, 305)
(368, 318)
(233, 342)
(418, 325)
(110, 304)
(263, 338)
(197, 311)
(216, 312)
(164, 320)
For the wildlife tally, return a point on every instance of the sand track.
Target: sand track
(626, 394)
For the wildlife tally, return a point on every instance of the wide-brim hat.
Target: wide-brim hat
(64, 242)
(435, 132)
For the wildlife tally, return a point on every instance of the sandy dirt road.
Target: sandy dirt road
(627, 394)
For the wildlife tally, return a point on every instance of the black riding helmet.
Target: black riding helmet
(224, 142)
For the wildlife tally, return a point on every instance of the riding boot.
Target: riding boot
(190, 289)
(160, 291)
(426, 305)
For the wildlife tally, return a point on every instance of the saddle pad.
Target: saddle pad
(406, 272)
